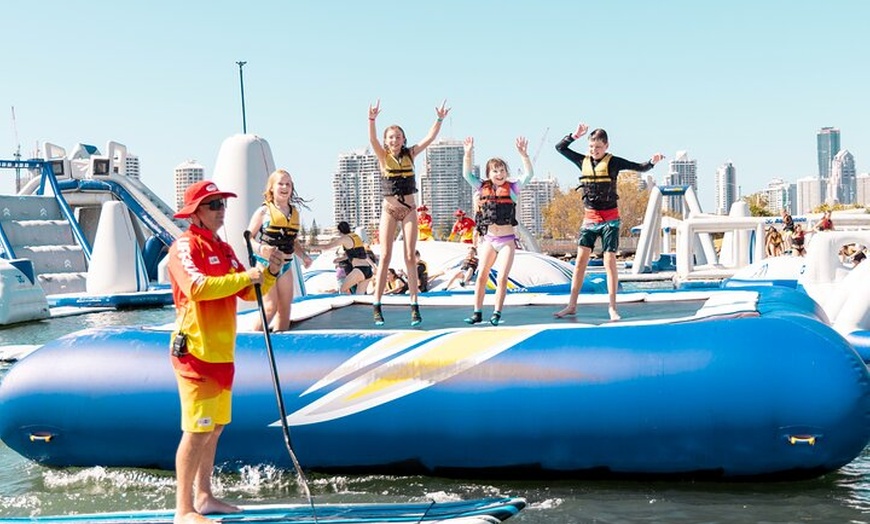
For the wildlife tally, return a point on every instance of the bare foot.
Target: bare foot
(191, 518)
(569, 311)
(214, 505)
(614, 315)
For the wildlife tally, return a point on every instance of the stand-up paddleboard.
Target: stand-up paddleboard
(477, 511)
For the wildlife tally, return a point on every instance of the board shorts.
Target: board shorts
(205, 392)
(608, 231)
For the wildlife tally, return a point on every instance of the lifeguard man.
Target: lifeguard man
(462, 228)
(424, 223)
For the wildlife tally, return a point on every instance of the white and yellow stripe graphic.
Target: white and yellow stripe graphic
(434, 360)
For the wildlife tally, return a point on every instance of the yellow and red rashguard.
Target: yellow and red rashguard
(207, 279)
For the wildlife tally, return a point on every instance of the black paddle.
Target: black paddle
(276, 382)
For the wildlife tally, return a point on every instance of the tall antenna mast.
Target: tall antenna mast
(17, 152)
(242, 86)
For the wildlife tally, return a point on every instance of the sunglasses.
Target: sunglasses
(215, 205)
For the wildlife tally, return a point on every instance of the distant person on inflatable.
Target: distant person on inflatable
(207, 280)
(598, 173)
(797, 241)
(773, 242)
(848, 252)
(277, 223)
(422, 272)
(498, 216)
(825, 223)
(396, 284)
(424, 224)
(787, 230)
(398, 185)
(356, 266)
(466, 270)
(463, 228)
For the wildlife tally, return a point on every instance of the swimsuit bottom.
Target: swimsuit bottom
(398, 212)
(498, 242)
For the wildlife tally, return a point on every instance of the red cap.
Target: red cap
(423, 208)
(198, 192)
(459, 213)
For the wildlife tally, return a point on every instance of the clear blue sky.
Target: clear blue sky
(745, 81)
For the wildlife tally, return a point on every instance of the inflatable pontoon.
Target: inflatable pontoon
(721, 384)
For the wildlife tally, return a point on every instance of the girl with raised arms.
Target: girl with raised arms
(497, 197)
(398, 185)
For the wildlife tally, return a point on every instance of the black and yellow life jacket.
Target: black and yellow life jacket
(496, 205)
(599, 188)
(358, 250)
(282, 230)
(398, 176)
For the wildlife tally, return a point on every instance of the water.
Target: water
(29, 489)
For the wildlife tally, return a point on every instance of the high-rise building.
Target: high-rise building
(534, 197)
(862, 189)
(356, 190)
(442, 186)
(828, 145)
(132, 166)
(682, 171)
(779, 195)
(186, 174)
(810, 194)
(841, 185)
(726, 188)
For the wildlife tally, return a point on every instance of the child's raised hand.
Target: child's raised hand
(581, 130)
(468, 144)
(443, 110)
(656, 158)
(523, 146)
(375, 110)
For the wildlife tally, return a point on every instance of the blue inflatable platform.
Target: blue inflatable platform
(719, 384)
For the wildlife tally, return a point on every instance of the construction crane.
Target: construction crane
(538, 150)
(540, 146)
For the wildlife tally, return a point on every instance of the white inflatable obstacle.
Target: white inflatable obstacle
(21, 297)
(842, 289)
(655, 230)
(243, 165)
(116, 264)
(838, 286)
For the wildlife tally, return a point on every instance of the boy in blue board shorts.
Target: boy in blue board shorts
(598, 172)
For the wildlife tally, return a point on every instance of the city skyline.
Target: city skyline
(678, 78)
